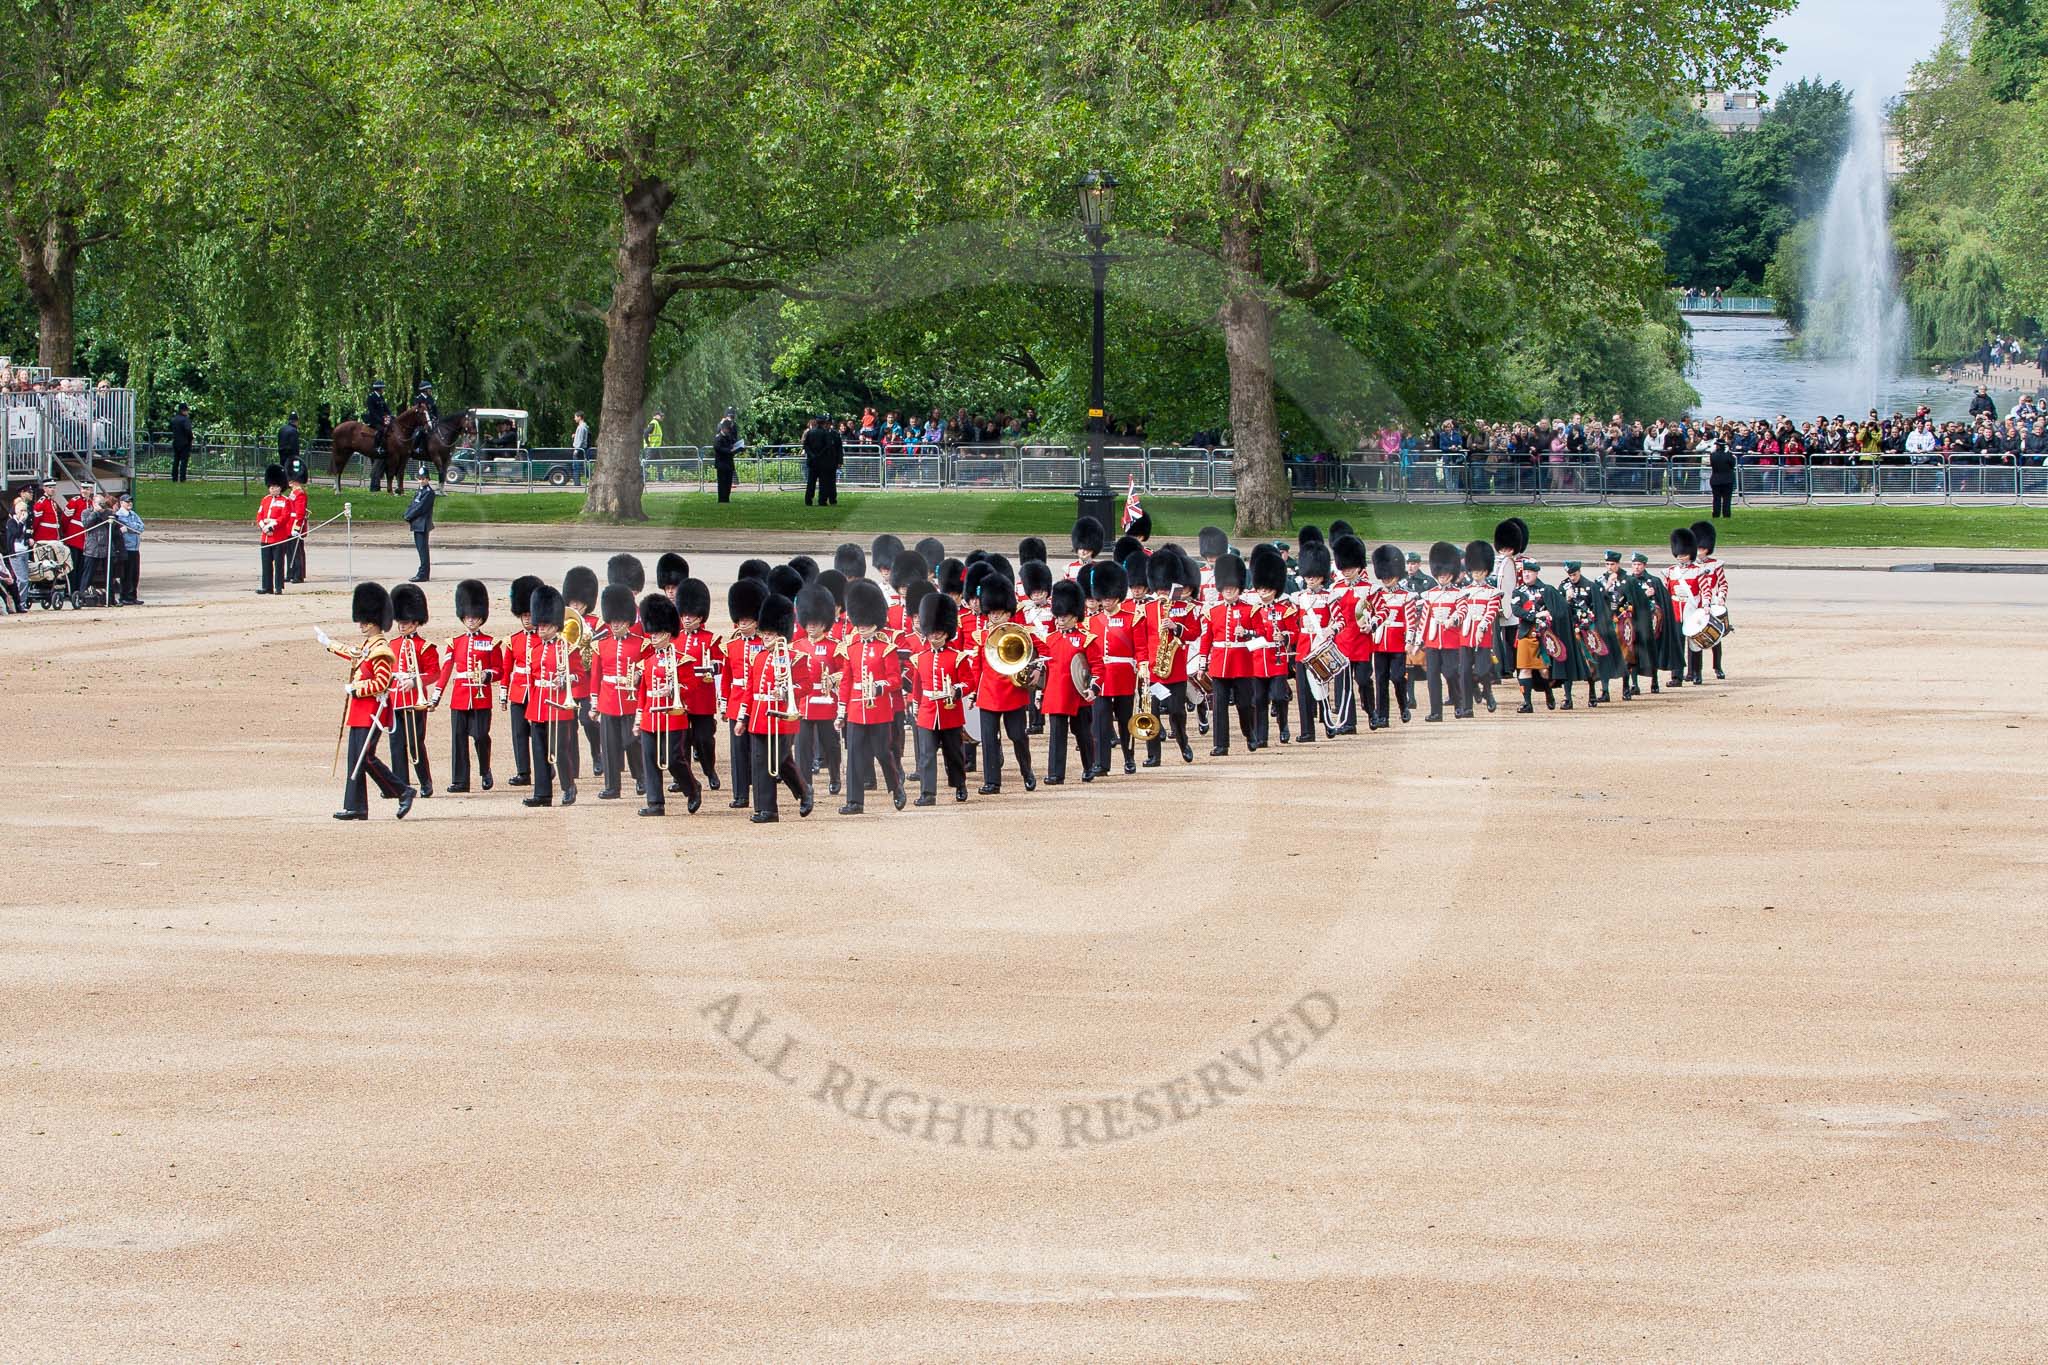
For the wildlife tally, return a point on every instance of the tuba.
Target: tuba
(1010, 651)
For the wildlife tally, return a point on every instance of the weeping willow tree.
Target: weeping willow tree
(1955, 285)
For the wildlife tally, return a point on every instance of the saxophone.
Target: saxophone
(1168, 648)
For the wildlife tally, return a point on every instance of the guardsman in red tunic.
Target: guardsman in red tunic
(1390, 641)
(1271, 668)
(742, 606)
(702, 658)
(295, 566)
(1711, 587)
(1683, 580)
(516, 656)
(777, 681)
(551, 705)
(1312, 603)
(1230, 629)
(1112, 665)
(469, 672)
(1442, 616)
(1059, 646)
(273, 529)
(1169, 615)
(617, 670)
(1088, 539)
(870, 694)
(579, 595)
(46, 519)
(1001, 699)
(415, 670)
(664, 717)
(1034, 613)
(1354, 608)
(1483, 598)
(941, 678)
(368, 708)
(817, 735)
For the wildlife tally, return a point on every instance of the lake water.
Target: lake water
(1745, 368)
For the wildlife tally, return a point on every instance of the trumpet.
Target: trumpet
(671, 693)
(1144, 722)
(781, 702)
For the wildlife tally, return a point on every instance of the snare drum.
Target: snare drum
(1703, 629)
(1201, 687)
(1327, 663)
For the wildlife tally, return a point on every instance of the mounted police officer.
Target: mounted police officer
(424, 400)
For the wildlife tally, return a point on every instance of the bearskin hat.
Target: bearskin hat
(743, 600)
(834, 582)
(906, 568)
(1309, 535)
(627, 571)
(882, 552)
(1314, 559)
(815, 609)
(996, 594)
(1031, 550)
(1213, 541)
(1229, 572)
(1141, 527)
(936, 613)
(952, 577)
(1137, 568)
(522, 593)
(1037, 577)
(372, 606)
(1349, 552)
(1443, 559)
(778, 616)
(1109, 583)
(850, 560)
(659, 615)
(549, 607)
(1509, 535)
(1088, 536)
(785, 581)
(1387, 562)
(472, 598)
(580, 585)
(1268, 569)
(693, 598)
(1704, 537)
(1001, 564)
(670, 570)
(973, 575)
(1066, 598)
(915, 593)
(806, 566)
(932, 548)
(1190, 572)
(617, 607)
(1340, 527)
(273, 477)
(1521, 529)
(1479, 558)
(866, 606)
(408, 603)
(1683, 542)
(753, 568)
(1125, 547)
(1162, 570)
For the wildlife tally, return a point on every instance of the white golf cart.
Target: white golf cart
(498, 453)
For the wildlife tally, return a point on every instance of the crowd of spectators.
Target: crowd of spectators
(91, 542)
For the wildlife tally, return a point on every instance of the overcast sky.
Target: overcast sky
(1862, 43)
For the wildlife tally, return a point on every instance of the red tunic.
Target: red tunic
(821, 699)
(1061, 648)
(587, 679)
(871, 681)
(1347, 596)
(700, 655)
(660, 689)
(515, 655)
(739, 665)
(1684, 580)
(547, 699)
(417, 667)
(46, 521)
(1112, 660)
(993, 691)
(1156, 619)
(1482, 613)
(1442, 612)
(1282, 620)
(941, 680)
(1396, 605)
(73, 513)
(765, 702)
(474, 662)
(618, 675)
(1227, 631)
(296, 498)
(274, 518)
(370, 683)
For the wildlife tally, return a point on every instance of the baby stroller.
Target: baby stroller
(49, 576)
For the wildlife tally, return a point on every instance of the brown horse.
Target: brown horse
(387, 464)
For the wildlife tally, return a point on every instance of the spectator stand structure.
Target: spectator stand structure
(65, 433)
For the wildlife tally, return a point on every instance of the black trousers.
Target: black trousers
(180, 466)
(817, 739)
(1389, 683)
(419, 543)
(522, 742)
(1057, 729)
(619, 750)
(409, 746)
(1305, 706)
(704, 743)
(792, 774)
(670, 749)
(871, 744)
(1448, 670)
(1173, 716)
(586, 718)
(1110, 717)
(1274, 696)
(464, 729)
(364, 766)
(725, 477)
(828, 488)
(993, 726)
(931, 744)
(1724, 501)
(552, 744)
(273, 568)
(131, 575)
(812, 479)
(1479, 671)
(295, 561)
(740, 756)
(1241, 695)
(98, 579)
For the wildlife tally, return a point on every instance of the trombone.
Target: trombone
(781, 703)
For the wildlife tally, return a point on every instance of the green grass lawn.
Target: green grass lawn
(1007, 516)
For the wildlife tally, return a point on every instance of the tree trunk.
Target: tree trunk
(1265, 502)
(49, 270)
(615, 478)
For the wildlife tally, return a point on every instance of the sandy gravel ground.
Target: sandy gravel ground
(1708, 1026)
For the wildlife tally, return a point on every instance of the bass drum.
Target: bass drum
(1703, 629)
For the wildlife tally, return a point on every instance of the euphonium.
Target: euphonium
(1009, 649)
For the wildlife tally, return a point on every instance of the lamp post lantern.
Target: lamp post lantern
(1097, 194)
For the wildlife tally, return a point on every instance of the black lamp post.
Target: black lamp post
(1097, 193)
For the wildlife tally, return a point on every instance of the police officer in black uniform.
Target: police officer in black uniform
(377, 417)
(424, 400)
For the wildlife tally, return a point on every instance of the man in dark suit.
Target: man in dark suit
(725, 448)
(181, 443)
(419, 514)
(1721, 480)
(817, 447)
